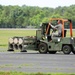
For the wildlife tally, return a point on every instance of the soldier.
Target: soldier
(58, 28)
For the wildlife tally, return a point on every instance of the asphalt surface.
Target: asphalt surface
(35, 62)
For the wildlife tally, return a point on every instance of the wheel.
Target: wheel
(66, 49)
(52, 52)
(43, 48)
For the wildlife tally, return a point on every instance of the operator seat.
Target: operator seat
(64, 33)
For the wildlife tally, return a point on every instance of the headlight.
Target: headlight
(15, 40)
(72, 38)
(20, 41)
(46, 37)
(11, 40)
(58, 39)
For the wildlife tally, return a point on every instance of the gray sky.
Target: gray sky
(40, 3)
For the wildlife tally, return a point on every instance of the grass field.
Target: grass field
(5, 34)
(21, 73)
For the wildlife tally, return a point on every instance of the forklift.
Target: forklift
(43, 41)
(59, 43)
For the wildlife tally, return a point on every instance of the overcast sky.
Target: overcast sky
(40, 3)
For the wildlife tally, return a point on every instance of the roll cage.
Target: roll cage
(63, 23)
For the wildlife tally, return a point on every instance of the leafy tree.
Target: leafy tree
(22, 16)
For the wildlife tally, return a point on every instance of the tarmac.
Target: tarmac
(32, 62)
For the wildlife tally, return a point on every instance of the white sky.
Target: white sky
(40, 3)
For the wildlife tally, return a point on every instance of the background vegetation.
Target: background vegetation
(22, 16)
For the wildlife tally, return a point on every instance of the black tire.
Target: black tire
(52, 52)
(66, 49)
(43, 48)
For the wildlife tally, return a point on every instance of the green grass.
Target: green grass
(22, 73)
(6, 34)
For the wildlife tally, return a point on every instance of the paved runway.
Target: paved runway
(35, 62)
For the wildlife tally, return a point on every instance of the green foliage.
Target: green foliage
(22, 16)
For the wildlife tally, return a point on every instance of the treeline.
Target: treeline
(23, 16)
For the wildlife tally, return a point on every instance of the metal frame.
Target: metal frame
(63, 21)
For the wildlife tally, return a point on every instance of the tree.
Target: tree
(22, 16)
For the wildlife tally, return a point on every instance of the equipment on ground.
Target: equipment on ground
(43, 42)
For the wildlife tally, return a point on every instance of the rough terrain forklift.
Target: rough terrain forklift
(60, 43)
(43, 42)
